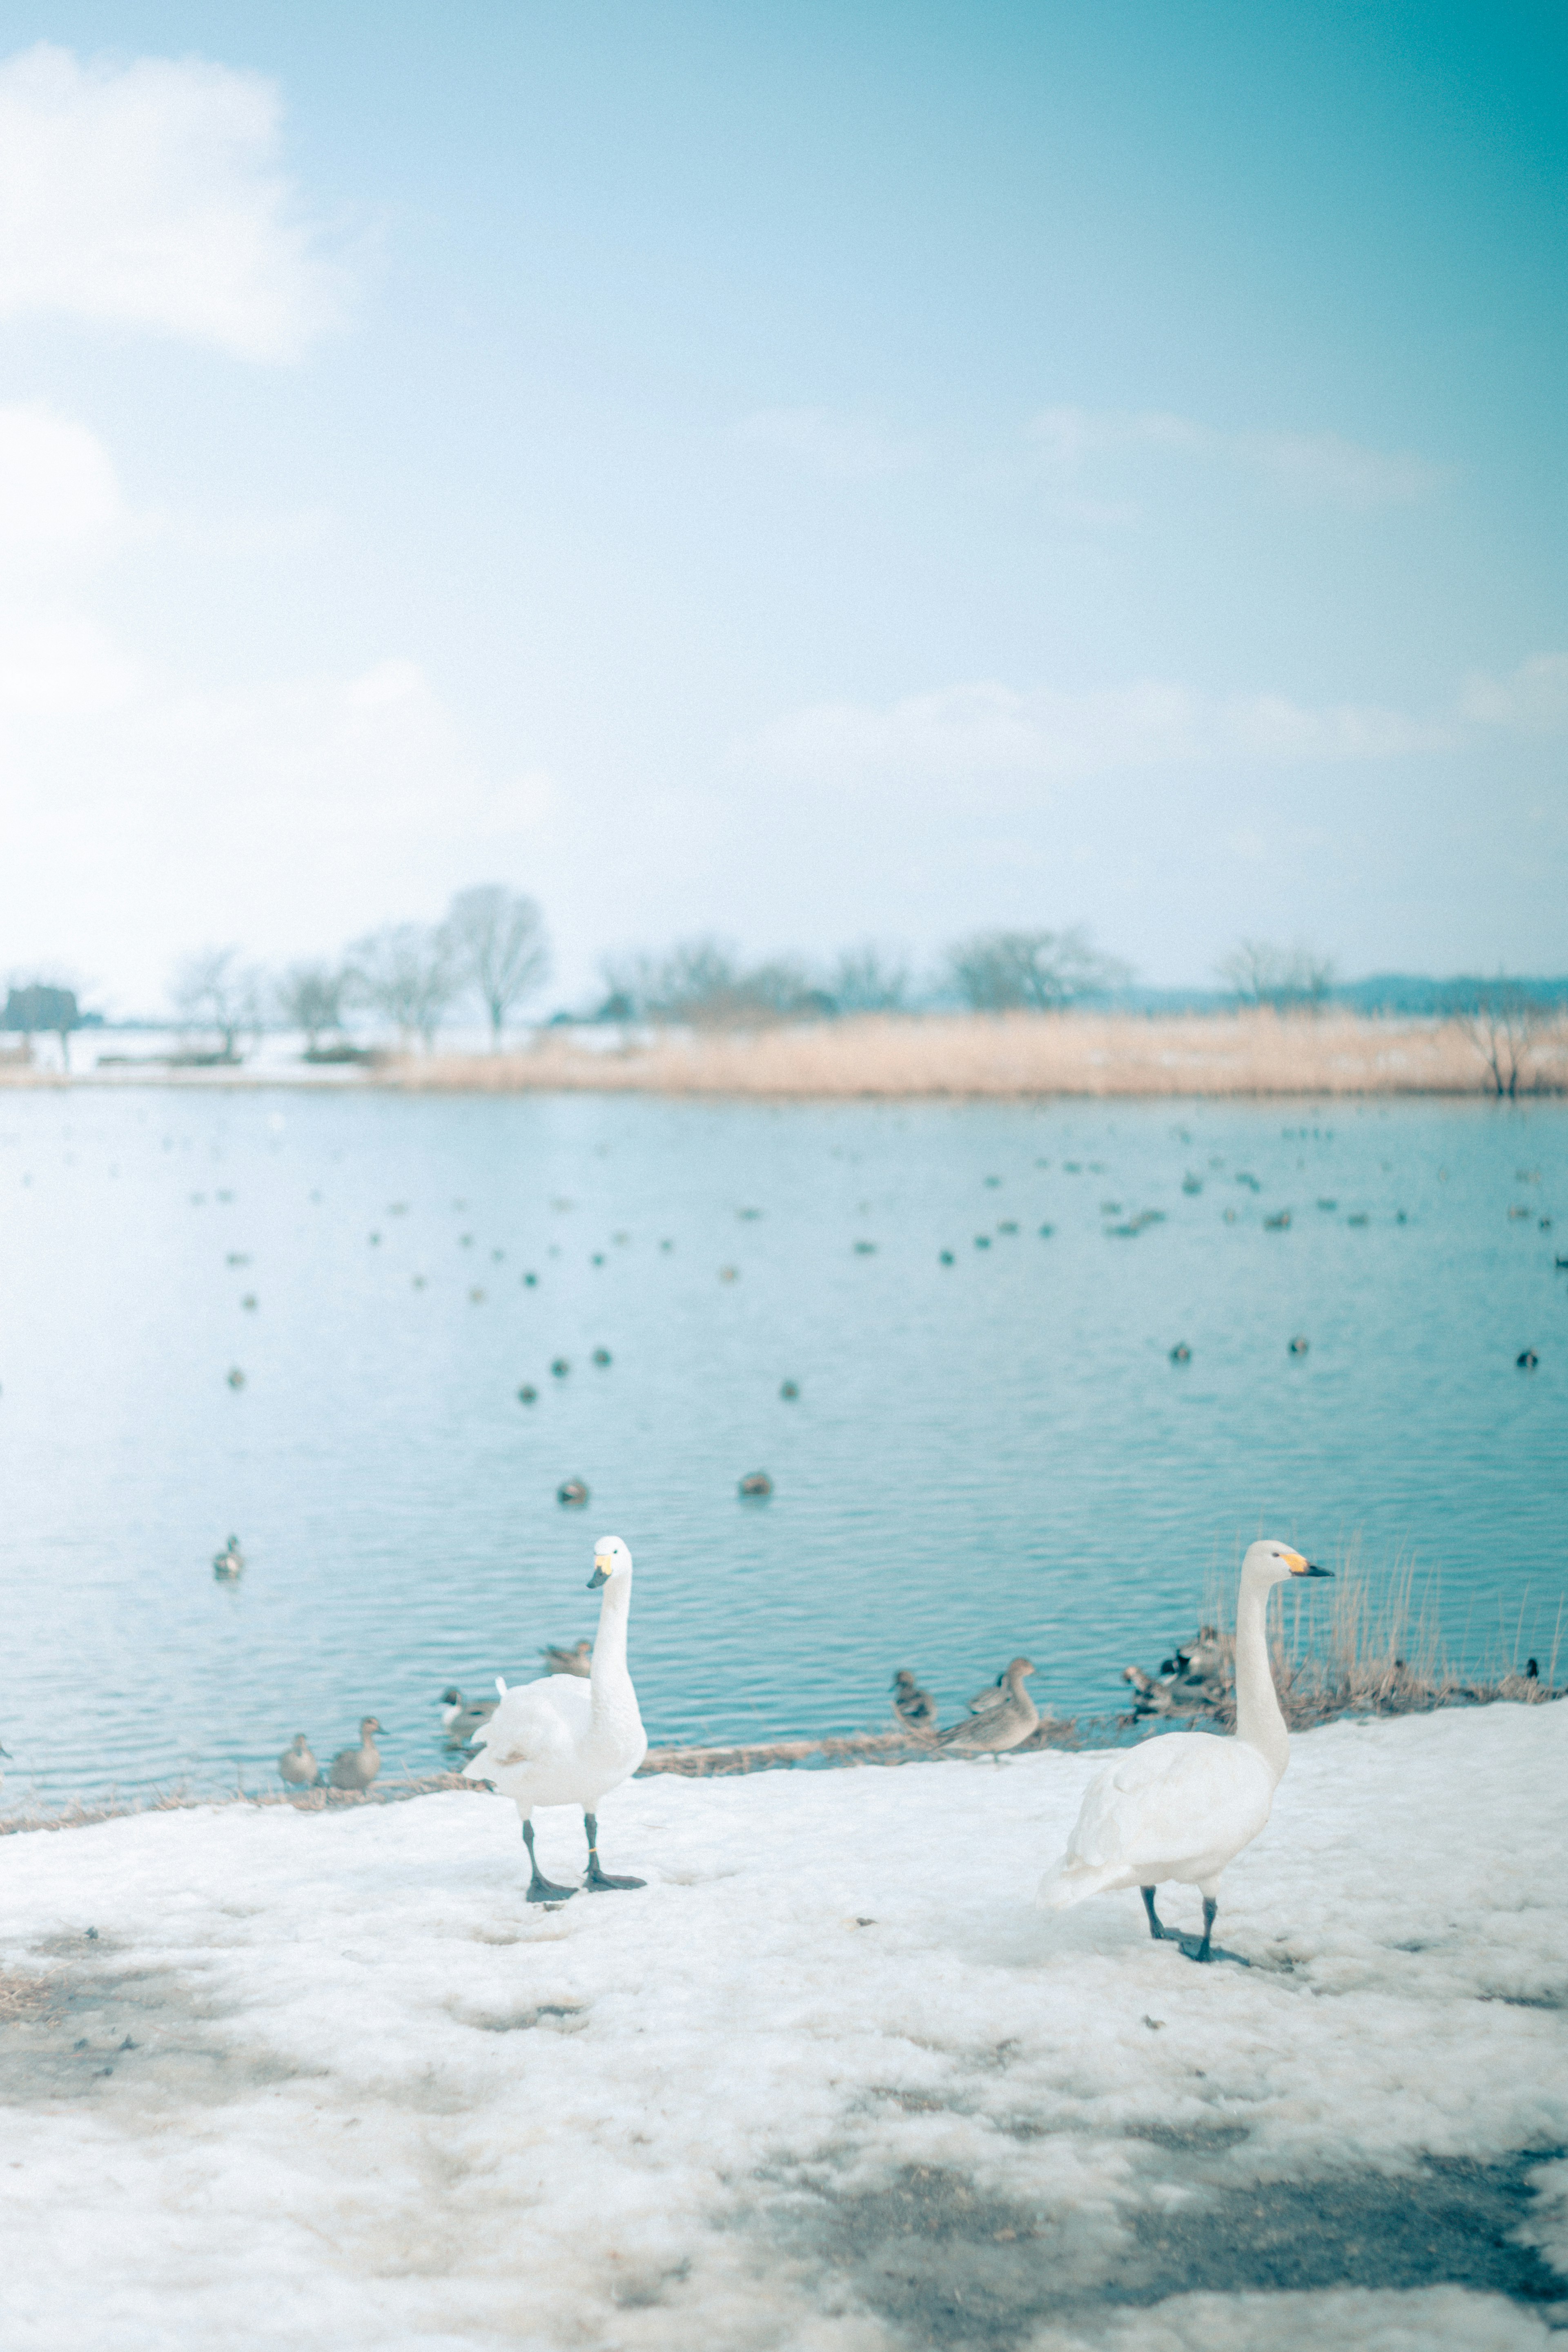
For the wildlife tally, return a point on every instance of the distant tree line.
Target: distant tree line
(489, 952)
(489, 949)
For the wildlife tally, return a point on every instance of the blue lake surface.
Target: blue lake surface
(988, 1456)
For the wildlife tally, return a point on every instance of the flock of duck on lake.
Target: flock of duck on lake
(1176, 1809)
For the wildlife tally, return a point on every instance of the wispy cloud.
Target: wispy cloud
(1532, 699)
(148, 194)
(990, 733)
(838, 447)
(1076, 447)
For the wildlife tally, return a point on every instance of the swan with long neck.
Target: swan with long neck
(1182, 1806)
(564, 1742)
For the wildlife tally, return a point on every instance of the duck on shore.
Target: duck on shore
(577, 1660)
(1000, 1726)
(1183, 1806)
(356, 1767)
(915, 1707)
(562, 1741)
(297, 1764)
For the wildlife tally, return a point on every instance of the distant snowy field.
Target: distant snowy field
(831, 2082)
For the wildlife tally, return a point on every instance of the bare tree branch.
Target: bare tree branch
(496, 944)
(1003, 971)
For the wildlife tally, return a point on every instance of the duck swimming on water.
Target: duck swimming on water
(229, 1563)
(461, 1717)
(577, 1660)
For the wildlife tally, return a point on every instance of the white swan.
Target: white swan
(1183, 1805)
(563, 1741)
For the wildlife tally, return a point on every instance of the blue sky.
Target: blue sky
(812, 475)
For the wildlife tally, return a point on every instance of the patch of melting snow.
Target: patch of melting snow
(830, 2082)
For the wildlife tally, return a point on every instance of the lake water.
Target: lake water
(985, 1457)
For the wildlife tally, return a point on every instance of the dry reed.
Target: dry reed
(1379, 1652)
(1014, 1055)
(27, 1999)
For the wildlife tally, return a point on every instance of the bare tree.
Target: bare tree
(42, 1004)
(1261, 973)
(702, 983)
(213, 989)
(869, 979)
(495, 943)
(310, 996)
(404, 972)
(1003, 971)
(1504, 1026)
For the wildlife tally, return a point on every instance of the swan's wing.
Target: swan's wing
(534, 1724)
(1180, 1795)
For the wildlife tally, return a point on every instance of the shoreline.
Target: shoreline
(1067, 1736)
(1255, 1054)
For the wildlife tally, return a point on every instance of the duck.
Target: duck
(915, 1707)
(461, 1717)
(229, 1563)
(356, 1767)
(1009, 1717)
(297, 1764)
(562, 1741)
(1183, 1806)
(577, 1660)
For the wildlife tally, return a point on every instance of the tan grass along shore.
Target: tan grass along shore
(976, 1055)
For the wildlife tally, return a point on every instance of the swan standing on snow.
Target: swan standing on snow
(564, 1742)
(1182, 1806)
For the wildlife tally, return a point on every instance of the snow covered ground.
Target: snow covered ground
(275, 2079)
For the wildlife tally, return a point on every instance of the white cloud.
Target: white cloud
(148, 194)
(987, 733)
(145, 811)
(1532, 698)
(59, 499)
(839, 448)
(1312, 467)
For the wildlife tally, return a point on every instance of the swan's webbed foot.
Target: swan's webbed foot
(539, 1888)
(599, 1880)
(1155, 1929)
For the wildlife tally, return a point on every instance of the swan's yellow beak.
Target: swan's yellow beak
(601, 1575)
(1300, 1566)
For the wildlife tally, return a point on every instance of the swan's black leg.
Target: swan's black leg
(599, 1882)
(1154, 1927)
(1210, 1907)
(540, 1889)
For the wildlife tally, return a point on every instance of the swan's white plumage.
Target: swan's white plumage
(1182, 1806)
(563, 1741)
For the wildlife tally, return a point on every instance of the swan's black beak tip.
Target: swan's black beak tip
(598, 1579)
(1313, 1570)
